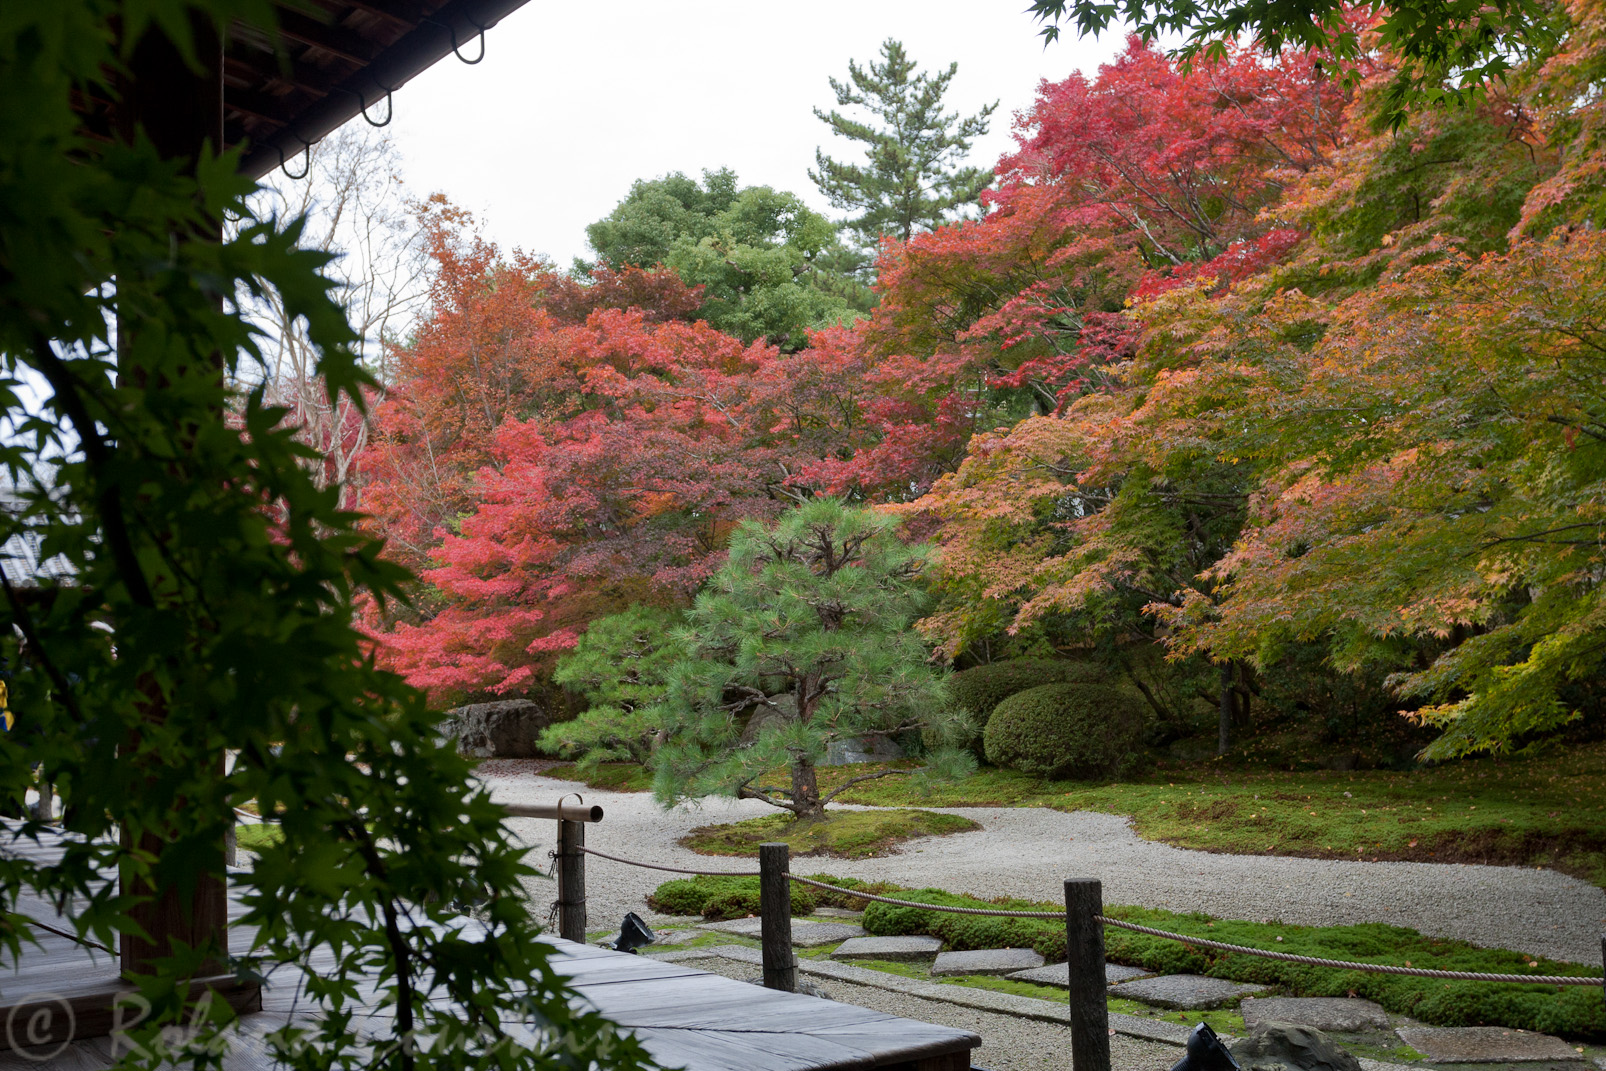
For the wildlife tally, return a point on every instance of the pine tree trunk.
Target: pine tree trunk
(805, 790)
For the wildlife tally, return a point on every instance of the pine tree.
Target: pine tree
(911, 179)
(803, 638)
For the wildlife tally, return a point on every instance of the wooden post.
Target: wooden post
(775, 911)
(1084, 950)
(571, 881)
(179, 107)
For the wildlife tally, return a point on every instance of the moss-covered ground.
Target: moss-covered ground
(1570, 1011)
(845, 834)
(256, 836)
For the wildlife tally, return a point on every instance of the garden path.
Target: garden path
(1029, 851)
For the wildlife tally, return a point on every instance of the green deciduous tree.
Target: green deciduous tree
(912, 178)
(769, 265)
(801, 639)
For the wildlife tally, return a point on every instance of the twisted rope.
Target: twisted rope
(675, 869)
(1346, 965)
(932, 907)
(1289, 957)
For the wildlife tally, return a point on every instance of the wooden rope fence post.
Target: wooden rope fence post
(775, 913)
(1084, 952)
(571, 881)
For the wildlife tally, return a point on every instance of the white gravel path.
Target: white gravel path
(1029, 851)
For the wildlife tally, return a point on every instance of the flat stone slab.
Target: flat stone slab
(1342, 1014)
(994, 962)
(838, 913)
(1485, 1045)
(1060, 974)
(894, 949)
(804, 934)
(1185, 992)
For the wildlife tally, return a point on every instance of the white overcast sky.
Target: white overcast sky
(573, 102)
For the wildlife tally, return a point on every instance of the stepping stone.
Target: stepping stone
(894, 949)
(1485, 1045)
(1060, 974)
(804, 934)
(1186, 992)
(1341, 1014)
(838, 913)
(989, 961)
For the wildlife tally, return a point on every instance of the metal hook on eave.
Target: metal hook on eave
(456, 46)
(306, 152)
(390, 109)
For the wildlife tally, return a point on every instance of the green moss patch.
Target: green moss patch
(844, 834)
(735, 898)
(257, 836)
(613, 776)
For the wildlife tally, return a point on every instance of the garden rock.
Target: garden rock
(1485, 1045)
(861, 749)
(502, 730)
(1341, 1014)
(838, 913)
(986, 961)
(893, 949)
(1289, 1047)
(1186, 992)
(1059, 974)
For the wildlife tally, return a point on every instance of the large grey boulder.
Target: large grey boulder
(1287, 1047)
(502, 730)
(861, 749)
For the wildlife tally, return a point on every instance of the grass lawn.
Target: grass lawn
(845, 834)
(1548, 811)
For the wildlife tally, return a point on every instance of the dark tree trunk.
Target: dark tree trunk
(805, 790)
(1224, 736)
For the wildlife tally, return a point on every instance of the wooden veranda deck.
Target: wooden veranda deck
(685, 1017)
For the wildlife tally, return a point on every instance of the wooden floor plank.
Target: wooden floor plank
(684, 1017)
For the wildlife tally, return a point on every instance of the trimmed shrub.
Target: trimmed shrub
(1066, 730)
(980, 689)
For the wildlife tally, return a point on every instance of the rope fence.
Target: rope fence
(1200, 942)
(676, 869)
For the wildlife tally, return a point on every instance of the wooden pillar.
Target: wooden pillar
(178, 108)
(1084, 951)
(775, 913)
(571, 881)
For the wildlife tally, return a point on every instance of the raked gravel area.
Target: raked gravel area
(1029, 851)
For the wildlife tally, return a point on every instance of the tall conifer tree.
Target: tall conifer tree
(911, 178)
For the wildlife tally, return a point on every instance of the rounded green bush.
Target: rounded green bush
(980, 689)
(1066, 730)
